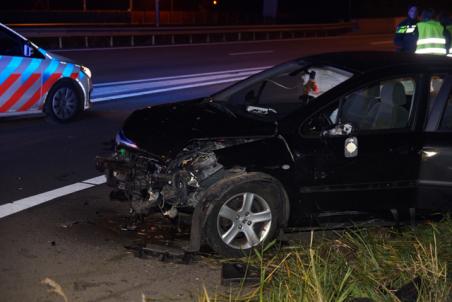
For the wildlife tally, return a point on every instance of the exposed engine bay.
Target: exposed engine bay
(178, 184)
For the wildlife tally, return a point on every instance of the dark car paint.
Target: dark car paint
(388, 172)
(165, 129)
(435, 174)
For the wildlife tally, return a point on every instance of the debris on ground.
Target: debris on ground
(163, 253)
(54, 287)
(237, 272)
(409, 292)
(67, 225)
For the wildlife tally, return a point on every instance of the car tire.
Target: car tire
(246, 212)
(63, 102)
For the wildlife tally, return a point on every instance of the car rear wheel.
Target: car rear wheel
(63, 102)
(246, 214)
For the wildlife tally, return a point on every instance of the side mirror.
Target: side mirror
(28, 49)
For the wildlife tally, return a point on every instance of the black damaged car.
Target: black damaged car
(340, 131)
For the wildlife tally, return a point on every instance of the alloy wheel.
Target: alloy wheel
(64, 103)
(244, 220)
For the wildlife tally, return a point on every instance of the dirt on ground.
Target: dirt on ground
(74, 248)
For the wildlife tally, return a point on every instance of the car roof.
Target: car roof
(367, 61)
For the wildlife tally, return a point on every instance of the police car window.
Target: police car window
(446, 121)
(10, 46)
(383, 105)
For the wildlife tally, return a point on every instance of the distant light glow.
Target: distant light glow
(215, 2)
(429, 154)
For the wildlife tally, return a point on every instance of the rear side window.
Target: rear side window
(9, 45)
(446, 122)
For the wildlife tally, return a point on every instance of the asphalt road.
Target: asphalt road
(71, 239)
(37, 156)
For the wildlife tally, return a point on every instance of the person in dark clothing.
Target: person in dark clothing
(446, 21)
(405, 38)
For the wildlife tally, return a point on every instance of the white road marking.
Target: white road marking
(28, 202)
(232, 71)
(96, 180)
(159, 90)
(250, 52)
(381, 42)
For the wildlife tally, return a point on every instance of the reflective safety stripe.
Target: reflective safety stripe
(439, 51)
(406, 29)
(20, 92)
(10, 68)
(411, 30)
(68, 70)
(31, 69)
(51, 68)
(35, 98)
(401, 29)
(7, 84)
(431, 41)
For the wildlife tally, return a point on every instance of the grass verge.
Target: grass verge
(366, 263)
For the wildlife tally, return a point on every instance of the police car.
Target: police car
(33, 80)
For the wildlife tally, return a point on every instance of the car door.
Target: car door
(20, 72)
(435, 175)
(368, 156)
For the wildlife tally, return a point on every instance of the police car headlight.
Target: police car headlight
(86, 71)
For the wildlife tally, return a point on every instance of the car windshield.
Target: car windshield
(283, 88)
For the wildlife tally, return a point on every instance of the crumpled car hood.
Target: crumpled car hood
(164, 130)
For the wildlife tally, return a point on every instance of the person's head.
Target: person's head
(427, 14)
(412, 12)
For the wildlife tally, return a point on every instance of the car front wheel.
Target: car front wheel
(63, 102)
(246, 213)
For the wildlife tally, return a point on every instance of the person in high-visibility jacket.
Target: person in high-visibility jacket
(405, 38)
(431, 35)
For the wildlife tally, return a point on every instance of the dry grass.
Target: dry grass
(370, 263)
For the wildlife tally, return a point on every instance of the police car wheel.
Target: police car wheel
(63, 102)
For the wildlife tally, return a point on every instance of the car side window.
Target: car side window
(446, 121)
(382, 105)
(436, 82)
(10, 46)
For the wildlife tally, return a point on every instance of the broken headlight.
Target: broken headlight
(122, 140)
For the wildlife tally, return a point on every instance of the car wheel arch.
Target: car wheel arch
(205, 206)
(78, 88)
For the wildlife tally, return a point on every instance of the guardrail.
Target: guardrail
(87, 37)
